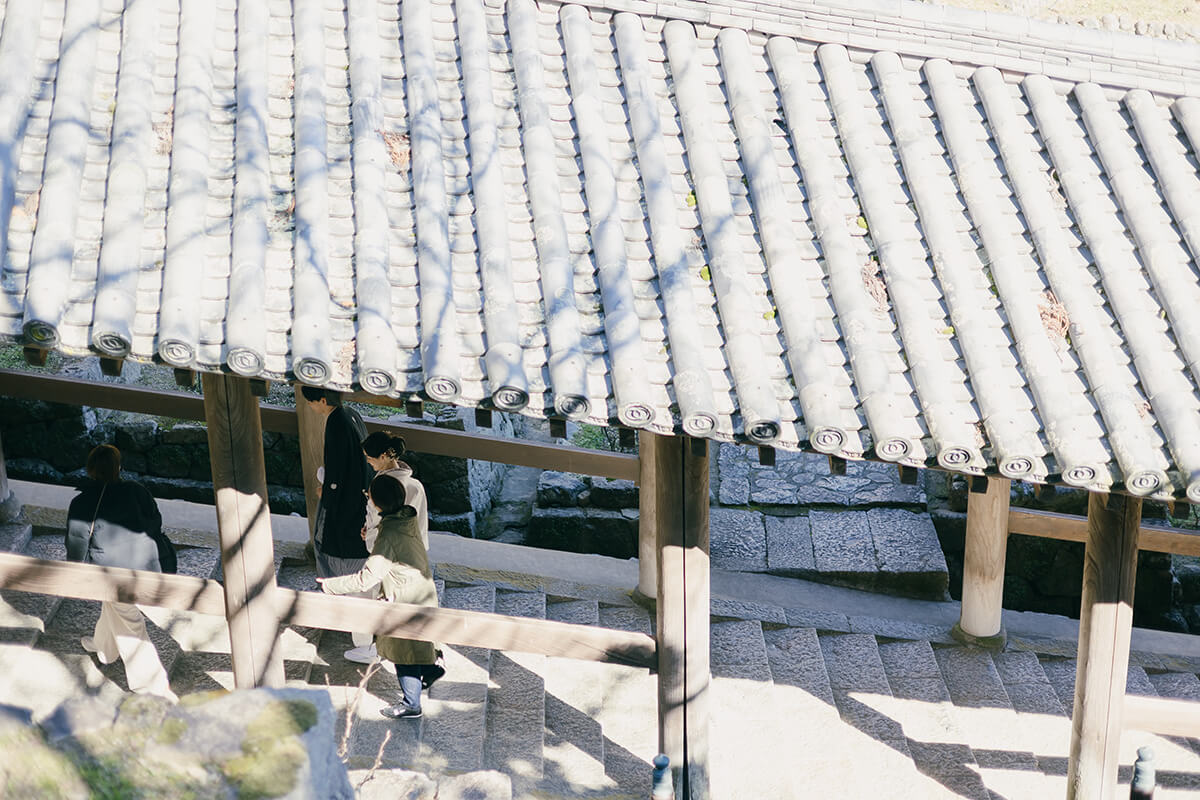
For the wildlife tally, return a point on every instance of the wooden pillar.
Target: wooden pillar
(681, 492)
(244, 526)
(312, 455)
(647, 516)
(1105, 625)
(10, 509)
(983, 565)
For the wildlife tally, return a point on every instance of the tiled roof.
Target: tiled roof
(564, 211)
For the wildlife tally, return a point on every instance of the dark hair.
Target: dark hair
(104, 463)
(315, 394)
(380, 442)
(388, 494)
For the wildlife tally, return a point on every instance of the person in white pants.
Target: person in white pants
(116, 523)
(121, 633)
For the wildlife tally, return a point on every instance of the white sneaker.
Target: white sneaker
(366, 654)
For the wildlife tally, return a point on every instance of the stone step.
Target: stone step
(1038, 708)
(754, 715)
(747, 707)
(42, 676)
(881, 549)
(589, 750)
(1025, 682)
(574, 740)
(516, 705)
(986, 716)
(738, 650)
(795, 658)
(854, 666)
(456, 722)
(626, 618)
(14, 536)
(1138, 682)
(759, 714)
(467, 668)
(864, 701)
(1181, 685)
(923, 706)
(358, 692)
(1061, 674)
(576, 612)
(299, 574)
(24, 615)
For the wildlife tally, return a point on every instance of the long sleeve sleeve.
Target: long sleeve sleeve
(77, 538)
(150, 513)
(366, 579)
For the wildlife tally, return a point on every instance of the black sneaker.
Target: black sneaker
(400, 710)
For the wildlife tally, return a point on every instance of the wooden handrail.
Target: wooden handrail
(1068, 527)
(468, 628)
(282, 419)
(316, 610)
(1165, 715)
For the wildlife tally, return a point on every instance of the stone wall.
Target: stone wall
(49, 443)
(460, 491)
(864, 529)
(581, 514)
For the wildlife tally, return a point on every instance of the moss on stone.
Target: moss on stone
(266, 773)
(108, 780)
(272, 752)
(281, 718)
(171, 731)
(200, 698)
(29, 768)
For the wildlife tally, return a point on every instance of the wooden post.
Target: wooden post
(647, 516)
(312, 455)
(681, 491)
(244, 526)
(10, 509)
(983, 566)
(1105, 625)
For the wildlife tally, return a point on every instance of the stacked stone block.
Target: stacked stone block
(581, 514)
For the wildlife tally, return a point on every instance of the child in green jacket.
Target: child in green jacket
(398, 571)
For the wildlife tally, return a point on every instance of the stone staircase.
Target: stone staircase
(798, 710)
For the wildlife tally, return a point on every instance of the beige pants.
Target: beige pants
(332, 567)
(121, 633)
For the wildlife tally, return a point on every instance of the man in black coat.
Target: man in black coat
(340, 549)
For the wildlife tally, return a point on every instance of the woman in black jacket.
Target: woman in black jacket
(116, 523)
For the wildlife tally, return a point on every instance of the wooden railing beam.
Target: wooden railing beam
(1070, 528)
(111, 584)
(316, 610)
(1167, 716)
(467, 628)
